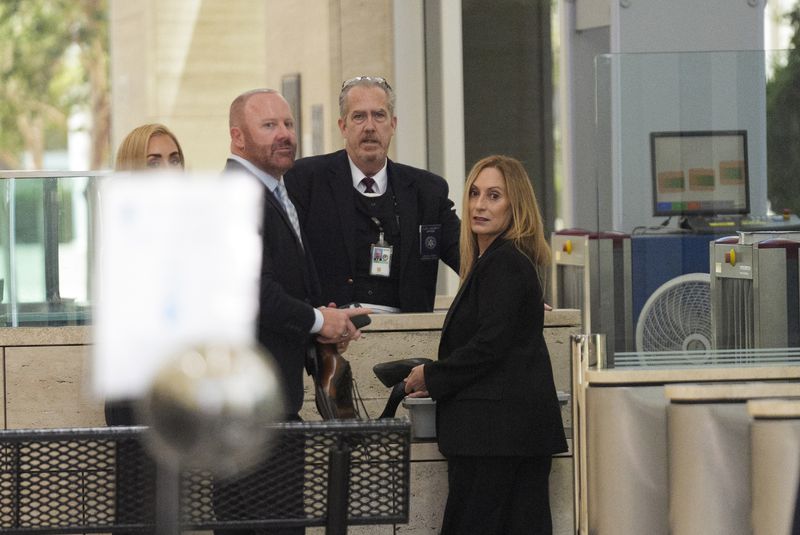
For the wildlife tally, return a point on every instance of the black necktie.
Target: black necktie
(368, 182)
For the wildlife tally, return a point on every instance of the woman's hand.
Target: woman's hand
(415, 383)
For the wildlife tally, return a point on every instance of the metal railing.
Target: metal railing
(332, 474)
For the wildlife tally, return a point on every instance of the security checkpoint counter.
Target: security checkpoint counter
(710, 454)
(775, 466)
(622, 438)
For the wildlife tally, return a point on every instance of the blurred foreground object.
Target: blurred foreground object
(210, 408)
(177, 267)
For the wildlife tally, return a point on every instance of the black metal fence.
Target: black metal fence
(332, 473)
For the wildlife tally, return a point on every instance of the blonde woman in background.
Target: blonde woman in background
(147, 147)
(150, 146)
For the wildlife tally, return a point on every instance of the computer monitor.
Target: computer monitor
(700, 173)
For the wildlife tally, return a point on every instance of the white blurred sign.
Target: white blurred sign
(178, 262)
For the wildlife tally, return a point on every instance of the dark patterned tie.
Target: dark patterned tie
(368, 182)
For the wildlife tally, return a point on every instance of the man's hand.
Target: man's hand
(337, 327)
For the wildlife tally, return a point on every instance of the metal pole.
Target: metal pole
(168, 500)
(51, 224)
(578, 345)
(338, 489)
(586, 350)
(12, 252)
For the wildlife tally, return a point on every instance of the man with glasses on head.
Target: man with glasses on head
(376, 228)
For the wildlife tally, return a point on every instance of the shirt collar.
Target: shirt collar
(267, 179)
(381, 178)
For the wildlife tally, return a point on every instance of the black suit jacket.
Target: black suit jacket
(322, 188)
(288, 292)
(493, 382)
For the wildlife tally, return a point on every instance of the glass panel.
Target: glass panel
(683, 174)
(5, 248)
(45, 222)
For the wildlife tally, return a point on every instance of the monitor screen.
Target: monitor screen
(700, 173)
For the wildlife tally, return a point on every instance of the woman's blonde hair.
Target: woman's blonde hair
(525, 227)
(132, 153)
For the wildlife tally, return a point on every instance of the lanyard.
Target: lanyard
(394, 208)
(381, 242)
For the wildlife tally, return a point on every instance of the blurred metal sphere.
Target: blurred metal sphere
(209, 408)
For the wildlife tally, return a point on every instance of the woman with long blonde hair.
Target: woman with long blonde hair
(149, 146)
(525, 226)
(498, 417)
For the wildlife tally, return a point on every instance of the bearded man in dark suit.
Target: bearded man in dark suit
(263, 144)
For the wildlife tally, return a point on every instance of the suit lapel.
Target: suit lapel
(269, 197)
(276, 204)
(306, 263)
(406, 195)
(465, 285)
(457, 299)
(272, 199)
(341, 185)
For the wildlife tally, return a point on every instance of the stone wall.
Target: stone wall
(46, 377)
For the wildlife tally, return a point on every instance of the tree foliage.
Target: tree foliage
(783, 127)
(53, 61)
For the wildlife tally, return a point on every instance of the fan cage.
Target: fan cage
(677, 316)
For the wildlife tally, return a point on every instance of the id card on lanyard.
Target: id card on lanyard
(381, 258)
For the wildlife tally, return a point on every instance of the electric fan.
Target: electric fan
(677, 316)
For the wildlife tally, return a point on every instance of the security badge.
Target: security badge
(381, 254)
(429, 241)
